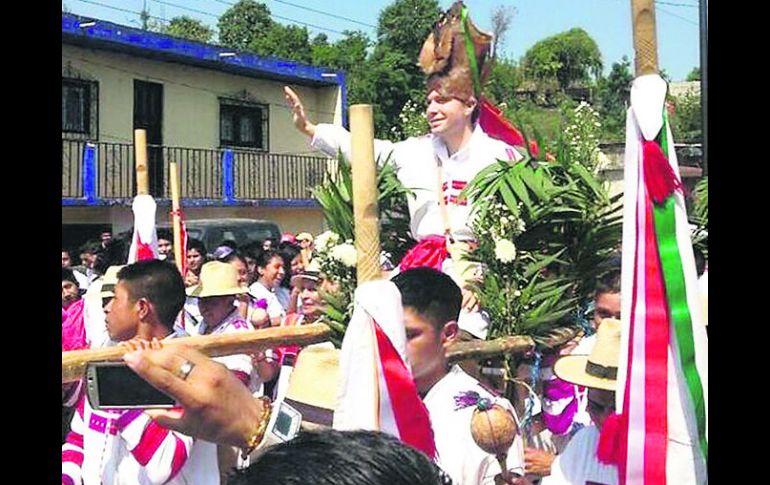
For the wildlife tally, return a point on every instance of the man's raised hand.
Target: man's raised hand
(298, 112)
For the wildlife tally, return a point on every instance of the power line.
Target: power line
(348, 19)
(122, 9)
(677, 4)
(683, 19)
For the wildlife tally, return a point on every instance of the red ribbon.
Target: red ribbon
(494, 124)
(410, 413)
(430, 252)
(659, 177)
(656, 358)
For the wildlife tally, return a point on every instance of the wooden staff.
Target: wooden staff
(140, 152)
(645, 43)
(365, 210)
(512, 345)
(176, 218)
(73, 363)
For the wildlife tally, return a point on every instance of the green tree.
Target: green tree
(612, 98)
(686, 121)
(243, 23)
(569, 57)
(694, 75)
(284, 41)
(404, 25)
(348, 53)
(188, 28)
(503, 80)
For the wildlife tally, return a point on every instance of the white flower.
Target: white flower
(505, 251)
(345, 253)
(326, 240)
(517, 293)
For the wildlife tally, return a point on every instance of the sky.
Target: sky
(608, 22)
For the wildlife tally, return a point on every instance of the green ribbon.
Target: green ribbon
(676, 294)
(469, 49)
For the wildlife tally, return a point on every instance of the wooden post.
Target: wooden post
(365, 210)
(645, 39)
(140, 151)
(176, 216)
(73, 363)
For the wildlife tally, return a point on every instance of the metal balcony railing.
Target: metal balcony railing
(102, 172)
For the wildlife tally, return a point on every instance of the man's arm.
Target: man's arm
(161, 452)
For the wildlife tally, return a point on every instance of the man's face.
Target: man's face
(243, 271)
(214, 309)
(447, 116)
(425, 350)
(606, 305)
(601, 404)
(122, 314)
(88, 259)
(105, 236)
(66, 262)
(165, 247)
(69, 293)
(296, 265)
(272, 274)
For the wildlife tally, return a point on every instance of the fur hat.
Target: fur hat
(444, 55)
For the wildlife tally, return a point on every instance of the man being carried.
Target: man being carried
(436, 166)
(129, 447)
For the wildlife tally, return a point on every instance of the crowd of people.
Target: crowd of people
(231, 423)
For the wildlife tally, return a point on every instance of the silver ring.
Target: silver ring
(185, 370)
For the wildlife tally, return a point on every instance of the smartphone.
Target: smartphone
(114, 385)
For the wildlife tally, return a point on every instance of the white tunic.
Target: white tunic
(415, 160)
(578, 464)
(458, 454)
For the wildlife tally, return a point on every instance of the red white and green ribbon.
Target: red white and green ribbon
(662, 383)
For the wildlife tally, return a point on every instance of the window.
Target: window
(243, 124)
(79, 101)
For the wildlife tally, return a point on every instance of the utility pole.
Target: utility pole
(704, 76)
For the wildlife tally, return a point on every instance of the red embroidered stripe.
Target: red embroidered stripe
(72, 456)
(75, 439)
(444, 186)
(180, 457)
(242, 376)
(459, 184)
(151, 440)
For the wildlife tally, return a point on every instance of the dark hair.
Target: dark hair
(234, 255)
(332, 457)
(91, 247)
(430, 293)
(609, 283)
(229, 243)
(159, 282)
(69, 275)
(288, 253)
(252, 250)
(115, 253)
(198, 245)
(165, 234)
(263, 258)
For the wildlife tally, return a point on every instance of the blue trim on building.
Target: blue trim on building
(228, 175)
(187, 203)
(122, 38)
(89, 172)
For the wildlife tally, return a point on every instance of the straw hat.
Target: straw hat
(600, 369)
(313, 385)
(109, 280)
(304, 236)
(217, 279)
(312, 272)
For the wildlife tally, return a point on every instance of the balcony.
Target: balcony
(97, 173)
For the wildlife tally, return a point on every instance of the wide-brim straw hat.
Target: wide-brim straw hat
(313, 384)
(312, 273)
(304, 236)
(600, 369)
(109, 280)
(217, 279)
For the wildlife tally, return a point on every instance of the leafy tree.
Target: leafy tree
(284, 41)
(404, 25)
(188, 28)
(503, 80)
(243, 23)
(569, 57)
(686, 120)
(612, 98)
(348, 53)
(694, 75)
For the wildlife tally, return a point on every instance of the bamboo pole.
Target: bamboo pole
(645, 39)
(176, 217)
(365, 210)
(73, 363)
(140, 152)
(512, 345)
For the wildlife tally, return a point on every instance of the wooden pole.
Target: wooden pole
(176, 218)
(73, 363)
(140, 151)
(365, 210)
(645, 39)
